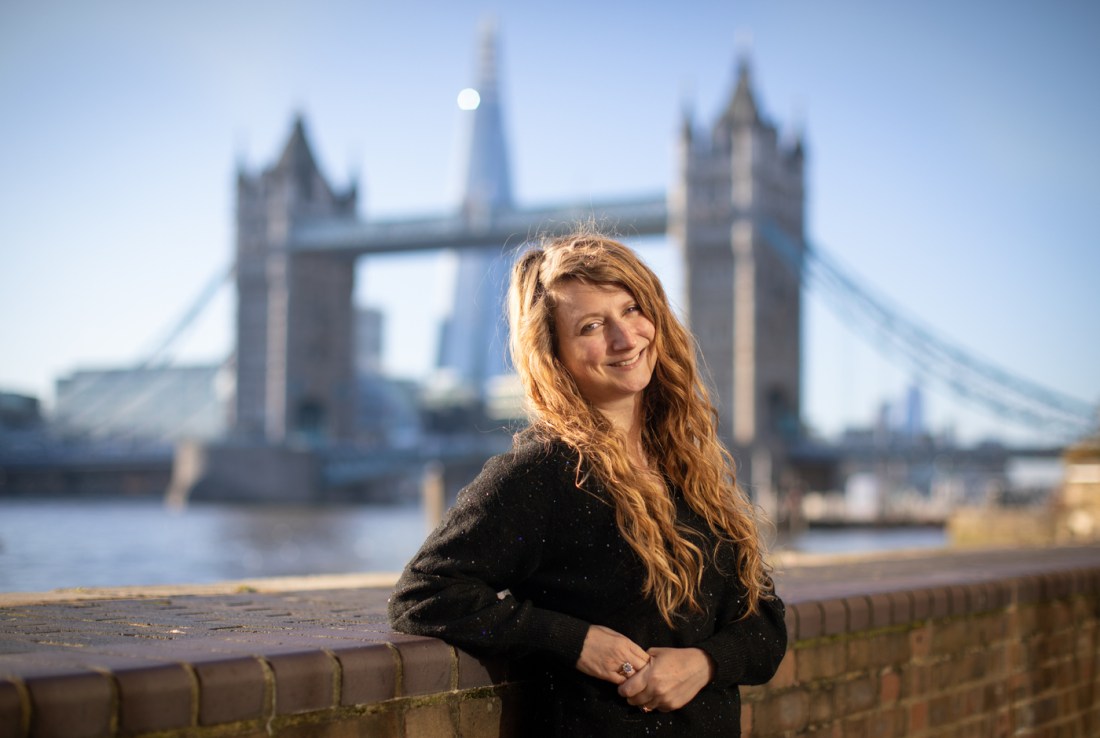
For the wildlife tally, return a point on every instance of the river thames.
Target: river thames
(52, 544)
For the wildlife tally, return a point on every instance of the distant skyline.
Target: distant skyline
(952, 160)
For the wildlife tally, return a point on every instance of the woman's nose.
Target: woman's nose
(622, 337)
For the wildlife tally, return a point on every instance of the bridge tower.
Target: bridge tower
(294, 366)
(736, 181)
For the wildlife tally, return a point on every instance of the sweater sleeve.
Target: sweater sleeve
(493, 539)
(747, 650)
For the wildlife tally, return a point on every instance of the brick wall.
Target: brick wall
(1008, 658)
(992, 643)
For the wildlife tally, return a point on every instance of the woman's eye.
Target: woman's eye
(588, 328)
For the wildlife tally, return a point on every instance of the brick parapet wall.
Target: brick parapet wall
(1016, 657)
(945, 644)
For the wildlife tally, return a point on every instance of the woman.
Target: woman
(610, 550)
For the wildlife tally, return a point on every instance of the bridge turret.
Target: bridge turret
(289, 304)
(743, 297)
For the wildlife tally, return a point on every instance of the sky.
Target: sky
(952, 162)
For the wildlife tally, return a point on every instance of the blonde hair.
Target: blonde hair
(679, 432)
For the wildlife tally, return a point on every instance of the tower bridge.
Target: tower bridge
(735, 212)
(298, 239)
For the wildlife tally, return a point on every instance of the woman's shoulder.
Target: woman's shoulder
(532, 454)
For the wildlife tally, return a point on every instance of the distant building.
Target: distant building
(19, 412)
(369, 326)
(473, 339)
(162, 404)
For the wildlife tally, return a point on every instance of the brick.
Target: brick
(1000, 595)
(859, 613)
(920, 642)
(888, 723)
(426, 667)
(475, 672)
(1062, 584)
(230, 690)
(73, 706)
(939, 600)
(996, 693)
(881, 610)
(429, 720)
(834, 617)
(786, 674)
(790, 618)
(1027, 590)
(889, 687)
(978, 598)
(154, 698)
(823, 707)
(854, 727)
(823, 731)
(859, 654)
(480, 718)
(960, 604)
(857, 695)
(916, 681)
(918, 717)
(1026, 620)
(950, 637)
(13, 720)
(922, 604)
(1003, 724)
(368, 674)
(944, 710)
(792, 710)
(304, 681)
(901, 608)
(889, 649)
(824, 661)
(809, 620)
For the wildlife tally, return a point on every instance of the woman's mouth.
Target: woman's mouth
(628, 363)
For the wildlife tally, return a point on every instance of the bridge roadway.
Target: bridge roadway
(644, 216)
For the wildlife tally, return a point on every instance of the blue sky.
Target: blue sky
(952, 160)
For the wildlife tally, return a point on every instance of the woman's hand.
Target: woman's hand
(604, 653)
(672, 679)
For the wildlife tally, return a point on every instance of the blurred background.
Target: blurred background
(950, 170)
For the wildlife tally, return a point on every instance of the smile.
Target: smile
(628, 363)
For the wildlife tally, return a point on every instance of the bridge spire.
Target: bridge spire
(742, 108)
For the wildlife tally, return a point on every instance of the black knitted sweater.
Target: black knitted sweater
(525, 562)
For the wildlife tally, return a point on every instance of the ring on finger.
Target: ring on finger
(626, 669)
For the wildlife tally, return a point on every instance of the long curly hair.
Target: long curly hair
(680, 423)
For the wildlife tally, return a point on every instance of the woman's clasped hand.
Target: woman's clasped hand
(669, 680)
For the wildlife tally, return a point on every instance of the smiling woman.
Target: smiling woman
(603, 341)
(611, 552)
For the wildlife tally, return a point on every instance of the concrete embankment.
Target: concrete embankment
(989, 642)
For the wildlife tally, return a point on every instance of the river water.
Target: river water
(50, 544)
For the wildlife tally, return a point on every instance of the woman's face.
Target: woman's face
(605, 343)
